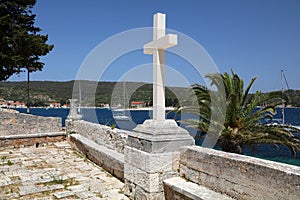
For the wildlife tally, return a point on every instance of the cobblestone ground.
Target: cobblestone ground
(54, 172)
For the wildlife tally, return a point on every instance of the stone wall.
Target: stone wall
(19, 123)
(179, 188)
(101, 144)
(108, 159)
(104, 135)
(238, 176)
(37, 139)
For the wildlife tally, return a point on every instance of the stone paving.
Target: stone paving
(54, 171)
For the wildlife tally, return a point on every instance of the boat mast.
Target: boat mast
(283, 80)
(79, 109)
(282, 91)
(124, 96)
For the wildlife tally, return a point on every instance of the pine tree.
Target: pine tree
(21, 45)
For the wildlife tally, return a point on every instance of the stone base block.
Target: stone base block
(148, 170)
(159, 136)
(152, 162)
(144, 172)
(150, 182)
(135, 192)
(151, 156)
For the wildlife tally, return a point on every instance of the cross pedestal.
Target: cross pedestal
(152, 150)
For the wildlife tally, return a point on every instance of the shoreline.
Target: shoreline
(113, 109)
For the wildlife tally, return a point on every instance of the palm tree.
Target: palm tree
(244, 112)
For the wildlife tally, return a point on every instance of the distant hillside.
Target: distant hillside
(44, 92)
(294, 97)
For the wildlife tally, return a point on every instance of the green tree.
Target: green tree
(20, 44)
(244, 113)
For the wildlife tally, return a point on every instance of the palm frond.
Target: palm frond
(242, 113)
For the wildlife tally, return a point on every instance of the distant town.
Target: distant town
(57, 94)
(16, 104)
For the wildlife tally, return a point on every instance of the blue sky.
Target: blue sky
(254, 38)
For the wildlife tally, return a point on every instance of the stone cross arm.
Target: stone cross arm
(161, 43)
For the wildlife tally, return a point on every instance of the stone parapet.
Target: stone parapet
(238, 176)
(36, 139)
(19, 123)
(104, 135)
(179, 188)
(108, 159)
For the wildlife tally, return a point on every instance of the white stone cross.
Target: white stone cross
(157, 47)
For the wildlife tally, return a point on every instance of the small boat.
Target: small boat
(79, 110)
(281, 121)
(121, 118)
(121, 115)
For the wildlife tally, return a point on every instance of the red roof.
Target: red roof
(137, 102)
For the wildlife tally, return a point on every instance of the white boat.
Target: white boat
(118, 109)
(282, 120)
(121, 117)
(79, 110)
(119, 114)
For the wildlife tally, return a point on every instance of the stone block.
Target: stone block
(178, 188)
(151, 155)
(189, 173)
(141, 194)
(151, 162)
(63, 194)
(76, 188)
(31, 189)
(136, 192)
(159, 137)
(150, 182)
(129, 189)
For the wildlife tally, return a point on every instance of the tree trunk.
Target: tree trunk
(230, 146)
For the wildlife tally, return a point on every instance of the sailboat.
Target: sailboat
(79, 111)
(120, 113)
(282, 120)
(122, 120)
(283, 79)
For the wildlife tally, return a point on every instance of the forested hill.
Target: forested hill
(44, 92)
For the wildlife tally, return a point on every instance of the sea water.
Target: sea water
(105, 116)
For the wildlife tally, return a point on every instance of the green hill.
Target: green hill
(44, 92)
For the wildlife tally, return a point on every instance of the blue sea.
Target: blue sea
(105, 116)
